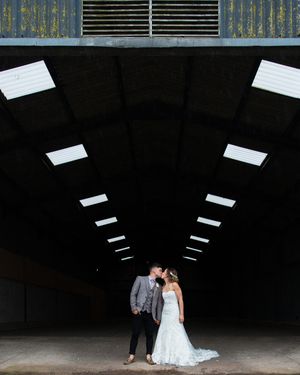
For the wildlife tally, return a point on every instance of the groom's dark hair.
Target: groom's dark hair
(153, 265)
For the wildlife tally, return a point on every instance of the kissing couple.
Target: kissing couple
(152, 306)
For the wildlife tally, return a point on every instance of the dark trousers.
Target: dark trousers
(139, 321)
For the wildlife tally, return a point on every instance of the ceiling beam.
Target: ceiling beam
(146, 111)
(126, 119)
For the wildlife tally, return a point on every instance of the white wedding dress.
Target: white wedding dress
(172, 346)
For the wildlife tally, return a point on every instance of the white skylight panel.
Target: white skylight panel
(94, 200)
(123, 248)
(278, 78)
(204, 220)
(127, 258)
(200, 239)
(245, 155)
(110, 220)
(193, 249)
(66, 155)
(25, 80)
(220, 200)
(189, 258)
(114, 239)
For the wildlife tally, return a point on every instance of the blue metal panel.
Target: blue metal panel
(40, 18)
(62, 18)
(260, 18)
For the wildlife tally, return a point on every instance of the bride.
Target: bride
(172, 345)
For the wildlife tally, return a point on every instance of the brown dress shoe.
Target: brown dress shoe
(149, 360)
(129, 361)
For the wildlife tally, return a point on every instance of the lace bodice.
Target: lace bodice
(169, 296)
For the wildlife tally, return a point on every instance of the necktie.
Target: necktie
(152, 283)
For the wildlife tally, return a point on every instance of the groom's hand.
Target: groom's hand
(157, 322)
(135, 312)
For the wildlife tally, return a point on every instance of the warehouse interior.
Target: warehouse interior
(155, 127)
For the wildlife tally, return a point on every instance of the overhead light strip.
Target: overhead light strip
(94, 200)
(127, 258)
(189, 258)
(204, 220)
(245, 155)
(122, 249)
(200, 239)
(67, 154)
(25, 80)
(114, 239)
(110, 220)
(278, 78)
(220, 200)
(193, 249)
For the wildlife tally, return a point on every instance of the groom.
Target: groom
(146, 307)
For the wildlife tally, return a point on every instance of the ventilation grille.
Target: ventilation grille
(150, 18)
(186, 18)
(116, 17)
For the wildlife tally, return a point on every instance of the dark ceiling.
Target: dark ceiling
(155, 129)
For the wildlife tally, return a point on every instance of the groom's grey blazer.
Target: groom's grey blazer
(138, 295)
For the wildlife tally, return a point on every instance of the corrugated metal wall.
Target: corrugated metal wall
(62, 18)
(40, 18)
(260, 18)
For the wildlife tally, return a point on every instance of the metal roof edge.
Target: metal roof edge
(147, 42)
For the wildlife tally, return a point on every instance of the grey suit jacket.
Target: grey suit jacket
(138, 295)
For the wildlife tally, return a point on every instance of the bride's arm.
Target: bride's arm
(178, 292)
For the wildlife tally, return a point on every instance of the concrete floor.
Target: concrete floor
(101, 349)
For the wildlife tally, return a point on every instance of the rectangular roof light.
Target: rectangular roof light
(25, 80)
(245, 155)
(220, 200)
(110, 220)
(200, 239)
(193, 249)
(94, 200)
(127, 258)
(278, 78)
(123, 248)
(189, 258)
(114, 239)
(208, 221)
(66, 155)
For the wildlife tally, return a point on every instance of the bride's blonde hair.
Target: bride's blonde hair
(172, 275)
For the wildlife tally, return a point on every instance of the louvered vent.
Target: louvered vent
(116, 17)
(184, 17)
(150, 18)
